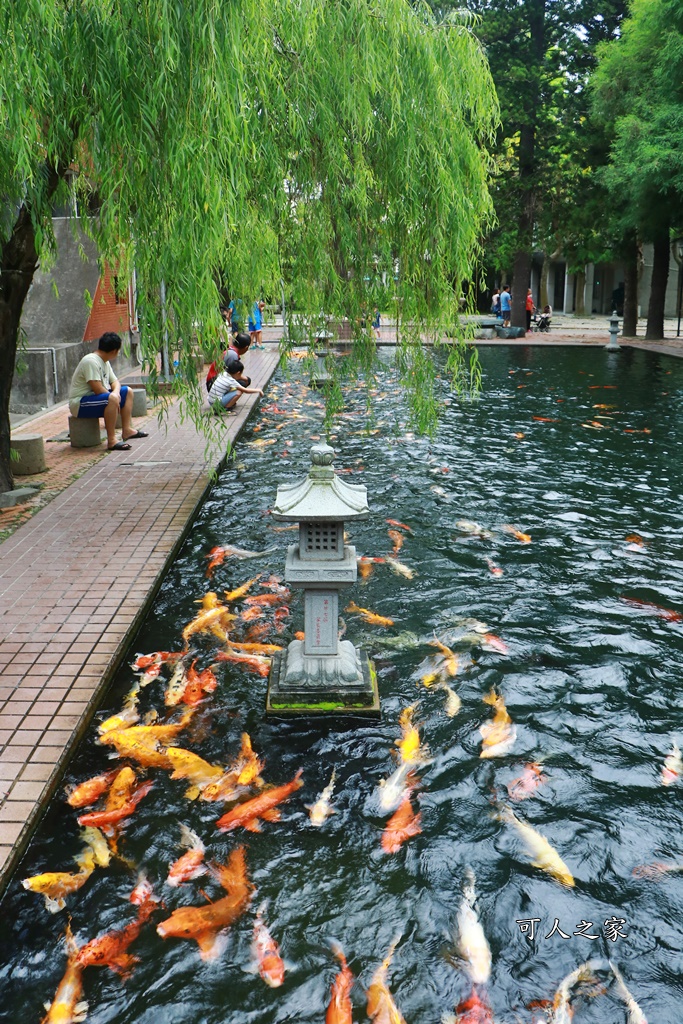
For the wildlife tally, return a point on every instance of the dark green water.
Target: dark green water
(592, 683)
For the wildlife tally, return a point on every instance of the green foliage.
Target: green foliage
(339, 145)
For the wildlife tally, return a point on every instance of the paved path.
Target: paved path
(75, 581)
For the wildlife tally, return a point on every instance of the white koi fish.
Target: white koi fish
(561, 1011)
(544, 855)
(635, 1014)
(472, 944)
(321, 809)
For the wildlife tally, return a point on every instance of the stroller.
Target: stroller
(543, 320)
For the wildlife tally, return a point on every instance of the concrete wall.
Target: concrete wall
(53, 325)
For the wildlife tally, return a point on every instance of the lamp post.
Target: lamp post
(613, 345)
(321, 674)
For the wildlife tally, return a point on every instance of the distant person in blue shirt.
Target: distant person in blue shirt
(256, 323)
(237, 323)
(505, 305)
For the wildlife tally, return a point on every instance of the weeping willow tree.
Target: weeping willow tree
(339, 146)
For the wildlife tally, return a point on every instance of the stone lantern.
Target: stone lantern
(319, 374)
(613, 345)
(321, 674)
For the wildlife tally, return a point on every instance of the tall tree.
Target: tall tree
(541, 55)
(199, 127)
(638, 89)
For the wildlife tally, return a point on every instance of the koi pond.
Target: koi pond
(542, 531)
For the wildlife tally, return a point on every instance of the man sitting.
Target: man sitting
(95, 392)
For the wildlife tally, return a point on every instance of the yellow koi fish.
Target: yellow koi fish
(67, 1006)
(235, 595)
(451, 662)
(370, 617)
(55, 886)
(187, 765)
(544, 855)
(499, 734)
(381, 1006)
(409, 748)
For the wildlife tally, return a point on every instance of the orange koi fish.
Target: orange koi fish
(111, 949)
(252, 662)
(401, 526)
(366, 565)
(264, 806)
(67, 1006)
(235, 595)
(545, 419)
(663, 613)
(525, 785)
(250, 614)
(403, 824)
(191, 864)
(256, 648)
(207, 925)
(256, 632)
(634, 538)
(499, 734)
(370, 617)
(397, 539)
(381, 1005)
(266, 600)
(199, 684)
(473, 1010)
(523, 538)
(340, 1010)
(216, 557)
(645, 430)
(494, 569)
(90, 791)
(266, 954)
(102, 819)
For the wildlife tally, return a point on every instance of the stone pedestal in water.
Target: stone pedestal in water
(321, 674)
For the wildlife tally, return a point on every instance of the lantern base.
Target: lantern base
(312, 693)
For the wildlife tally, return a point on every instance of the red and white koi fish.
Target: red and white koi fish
(491, 642)
(400, 526)
(495, 570)
(252, 662)
(266, 954)
(657, 609)
(673, 766)
(473, 1010)
(145, 661)
(339, 1010)
(391, 791)
(191, 864)
(527, 783)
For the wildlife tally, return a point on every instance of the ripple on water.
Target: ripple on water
(592, 683)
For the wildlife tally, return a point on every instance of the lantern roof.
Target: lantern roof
(322, 495)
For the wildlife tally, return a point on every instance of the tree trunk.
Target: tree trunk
(545, 272)
(630, 287)
(18, 263)
(660, 276)
(580, 304)
(521, 277)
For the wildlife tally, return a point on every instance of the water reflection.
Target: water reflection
(590, 681)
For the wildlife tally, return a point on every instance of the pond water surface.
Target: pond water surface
(591, 681)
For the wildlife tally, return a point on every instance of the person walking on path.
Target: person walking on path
(256, 323)
(95, 392)
(506, 305)
(529, 308)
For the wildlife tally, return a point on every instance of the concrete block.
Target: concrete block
(139, 402)
(84, 433)
(8, 499)
(31, 449)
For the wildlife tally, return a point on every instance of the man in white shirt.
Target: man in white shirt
(95, 392)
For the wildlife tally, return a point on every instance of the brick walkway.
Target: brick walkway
(70, 595)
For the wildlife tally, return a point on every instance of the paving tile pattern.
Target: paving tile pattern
(75, 581)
